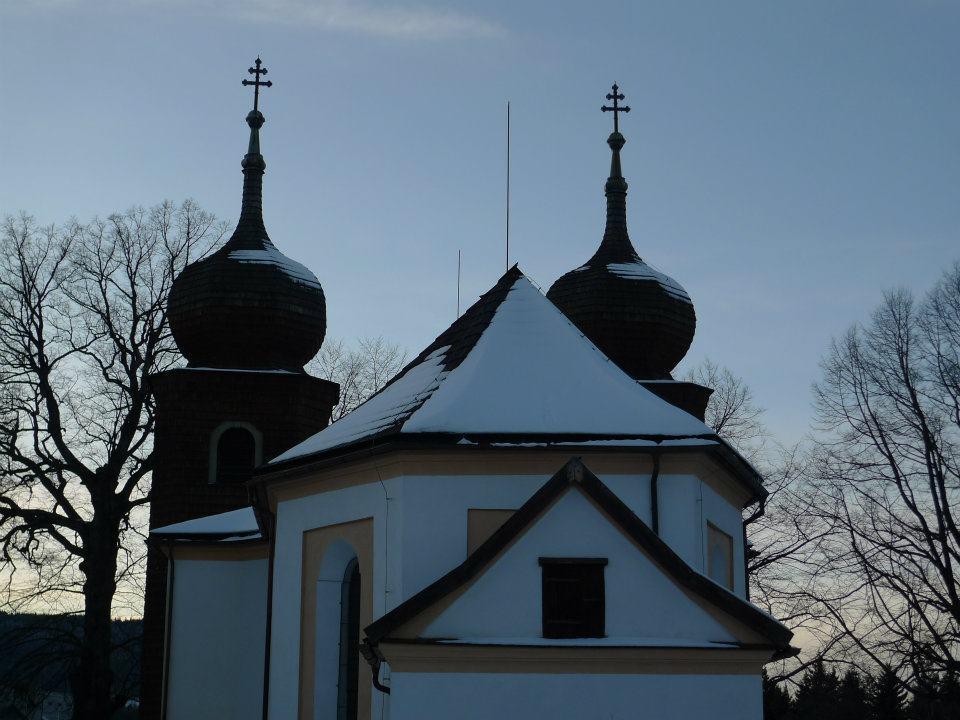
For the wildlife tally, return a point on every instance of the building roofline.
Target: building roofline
(271, 473)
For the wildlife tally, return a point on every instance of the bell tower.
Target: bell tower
(247, 319)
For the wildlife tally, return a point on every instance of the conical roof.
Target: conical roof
(248, 305)
(511, 367)
(641, 318)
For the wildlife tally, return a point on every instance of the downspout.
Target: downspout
(654, 495)
(747, 553)
(168, 625)
(373, 657)
(267, 634)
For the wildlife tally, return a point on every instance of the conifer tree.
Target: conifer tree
(817, 692)
(777, 704)
(852, 699)
(887, 697)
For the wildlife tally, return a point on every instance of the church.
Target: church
(531, 519)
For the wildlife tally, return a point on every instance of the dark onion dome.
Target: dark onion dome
(640, 318)
(247, 305)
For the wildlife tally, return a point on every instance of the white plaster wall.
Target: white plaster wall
(420, 533)
(726, 517)
(687, 503)
(435, 515)
(217, 640)
(505, 602)
(481, 696)
(294, 518)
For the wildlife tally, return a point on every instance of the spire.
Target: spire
(616, 246)
(251, 228)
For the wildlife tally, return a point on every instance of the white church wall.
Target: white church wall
(727, 518)
(481, 696)
(217, 639)
(641, 602)
(424, 535)
(435, 515)
(294, 518)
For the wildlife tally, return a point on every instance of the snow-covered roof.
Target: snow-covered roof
(513, 364)
(235, 524)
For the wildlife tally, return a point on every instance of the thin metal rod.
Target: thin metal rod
(458, 283)
(508, 184)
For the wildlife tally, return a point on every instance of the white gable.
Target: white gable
(644, 606)
(530, 372)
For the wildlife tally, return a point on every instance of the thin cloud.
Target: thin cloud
(383, 19)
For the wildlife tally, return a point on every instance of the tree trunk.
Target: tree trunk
(92, 679)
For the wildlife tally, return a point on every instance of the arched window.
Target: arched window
(347, 680)
(236, 455)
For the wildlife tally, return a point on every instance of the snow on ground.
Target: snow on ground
(271, 256)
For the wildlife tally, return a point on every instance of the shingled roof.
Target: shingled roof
(511, 366)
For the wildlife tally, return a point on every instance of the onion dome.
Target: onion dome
(639, 317)
(248, 306)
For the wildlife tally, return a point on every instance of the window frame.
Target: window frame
(215, 436)
(555, 620)
(713, 530)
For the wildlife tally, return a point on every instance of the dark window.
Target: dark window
(347, 680)
(236, 455)
(573, 600)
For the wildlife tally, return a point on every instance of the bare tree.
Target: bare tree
(360, 371)
(83, 325)
(888, 485)
(731, 411)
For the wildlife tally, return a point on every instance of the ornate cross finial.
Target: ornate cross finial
(258, 83)
(616, 96)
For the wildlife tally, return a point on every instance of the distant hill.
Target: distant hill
(36, 656)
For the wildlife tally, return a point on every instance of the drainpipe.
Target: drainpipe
(373, 657)
(168, 635)
(267, 634)
(654, 498)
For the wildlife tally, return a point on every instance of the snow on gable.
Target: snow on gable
(533, 372)
(644, 606)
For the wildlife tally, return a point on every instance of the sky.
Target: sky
(787, 161)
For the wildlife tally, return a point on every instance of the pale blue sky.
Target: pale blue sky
(787, 161)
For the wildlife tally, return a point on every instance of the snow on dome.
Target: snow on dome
(269, 255)
(512, 364)
(642, 271)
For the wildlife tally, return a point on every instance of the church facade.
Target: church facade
(530, 520)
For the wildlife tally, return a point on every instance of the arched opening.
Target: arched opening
(236, 455)
(349, 663)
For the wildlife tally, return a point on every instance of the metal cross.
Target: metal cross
(257, 83)
(616, 95)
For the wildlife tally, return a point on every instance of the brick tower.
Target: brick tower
(247, 319)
